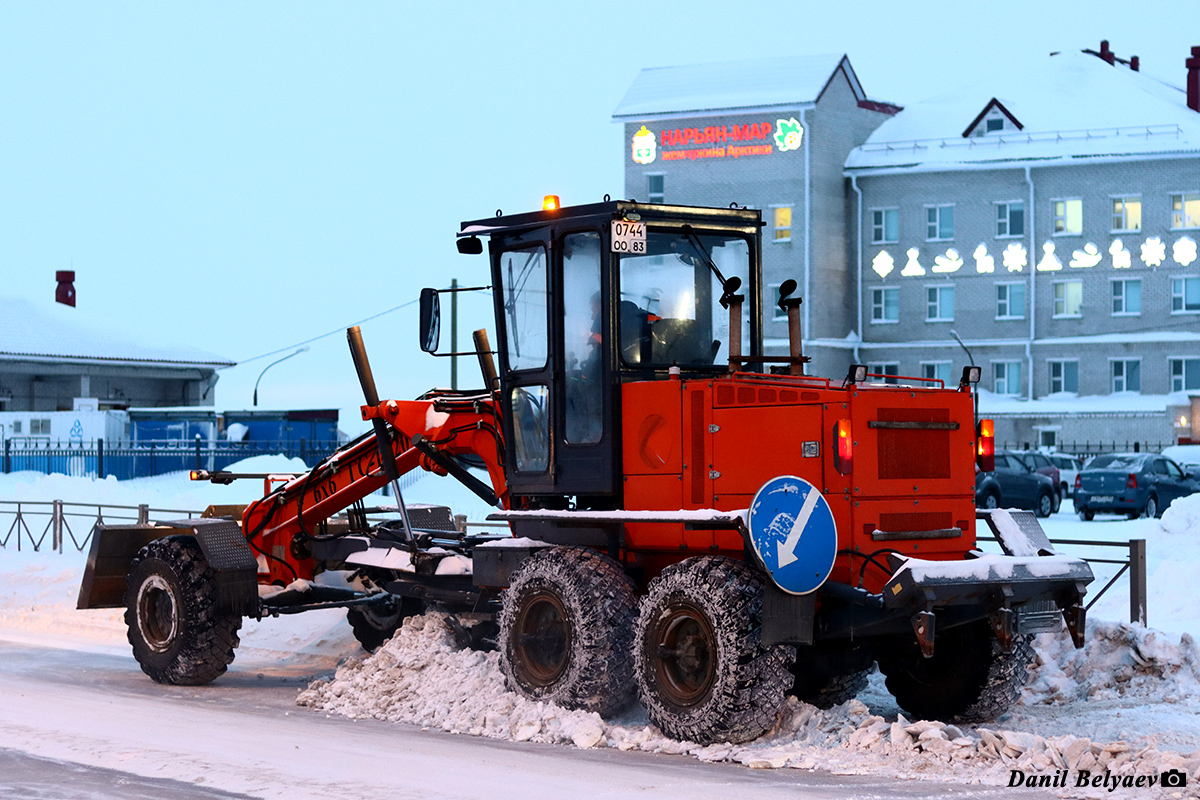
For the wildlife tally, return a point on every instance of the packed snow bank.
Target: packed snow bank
(419, 677)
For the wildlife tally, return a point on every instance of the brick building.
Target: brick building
(1048, 219)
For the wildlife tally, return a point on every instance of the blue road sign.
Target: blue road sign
(793, 532)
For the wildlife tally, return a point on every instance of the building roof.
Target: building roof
(32, 331)
(1071, 106)
(764, 83)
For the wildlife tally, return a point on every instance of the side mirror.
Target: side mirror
(431, 320)
(470, 245)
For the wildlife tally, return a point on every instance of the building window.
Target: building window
(890, 370)
(1126, 214)
(995, 125)
(1047, 438)
(655, 185)
(936, 371)
(885, 225)
(1068, 217)
(885, 305)
(1185, 211)
(16, 426)
(1127, 298)
(1010, 301)
(1010, 219)
(1068, 299)
(783, 223)
(1126, 375)
(1006, 377)
(939, 223)
(1185, 374)
(1185, 295)
(1064, 376)
(939, 303)
(39, 427)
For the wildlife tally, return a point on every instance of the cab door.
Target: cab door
(523, 308)
(583, 392)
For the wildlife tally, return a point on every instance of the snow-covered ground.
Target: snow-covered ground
(1128, 703)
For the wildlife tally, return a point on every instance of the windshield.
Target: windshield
(670, 311)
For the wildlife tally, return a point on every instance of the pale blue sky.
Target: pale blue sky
(243, 176)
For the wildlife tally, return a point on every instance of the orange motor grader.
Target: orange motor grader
(694, 522)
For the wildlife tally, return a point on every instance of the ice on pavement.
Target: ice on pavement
(1129, 702)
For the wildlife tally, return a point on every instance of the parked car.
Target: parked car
(1014, 485)
(1186, 456)
(1133, 484)
(1068, 468)
(1042, 465)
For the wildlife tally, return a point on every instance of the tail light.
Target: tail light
(985, 448)
(843, 454)
(1078, 481)
(1131, 481)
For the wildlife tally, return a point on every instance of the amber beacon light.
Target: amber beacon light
(550, 203)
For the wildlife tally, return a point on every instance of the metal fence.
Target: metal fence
(27, 525)
(146, 459)
(1085, 449)
(1134, 564)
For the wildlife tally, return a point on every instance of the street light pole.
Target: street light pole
(273, 363)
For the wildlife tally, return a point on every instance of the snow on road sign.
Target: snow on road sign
(793, 532)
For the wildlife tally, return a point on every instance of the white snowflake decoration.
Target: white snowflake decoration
(1049, 262)
(984, 262)
(883, 264)
(1154, 252)
(1122, 258)
(1016, 257)
(913, 267)
(951, 262)
(1089, 256)
(1184, 250)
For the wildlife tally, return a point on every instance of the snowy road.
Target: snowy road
(244, 735)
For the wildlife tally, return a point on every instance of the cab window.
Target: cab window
(669, 310)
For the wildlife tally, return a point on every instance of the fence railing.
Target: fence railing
(28, 524)
(147, 458)
(32, 522)
(1084, 449)
(1135, 565)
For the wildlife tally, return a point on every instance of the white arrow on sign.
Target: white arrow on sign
(786, 552)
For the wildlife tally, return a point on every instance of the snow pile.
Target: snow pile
(1182, 517)
(1117, 660)
(420, 678)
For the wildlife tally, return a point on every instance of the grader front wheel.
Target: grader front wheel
(177, 633)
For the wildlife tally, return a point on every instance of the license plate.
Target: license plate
(628, 237)
(1102, 498)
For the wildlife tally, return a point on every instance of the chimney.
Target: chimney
(1134, 63)
(65, 293)
(1105, 53)
(1193, 80)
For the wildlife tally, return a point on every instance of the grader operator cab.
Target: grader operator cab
(693, 522)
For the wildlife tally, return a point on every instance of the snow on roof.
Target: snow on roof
(1060, 403)
(1072, 105)
(53, 331)
(729, 86)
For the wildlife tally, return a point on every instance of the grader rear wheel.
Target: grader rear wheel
(565, 630)
(702, 673)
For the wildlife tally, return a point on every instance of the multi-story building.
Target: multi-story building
(1044, 226)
